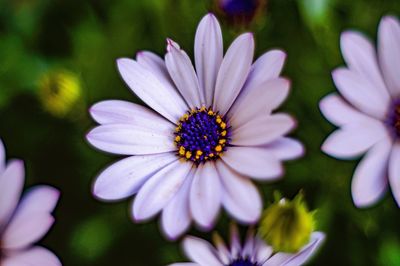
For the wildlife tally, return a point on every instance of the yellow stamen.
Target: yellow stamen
(218, 120)
(178, 138)
(223, 133)
(218, 148)
(222, 141)
(188, 155)
(199, 152)
(223, 125)
(210, 112)
(182, 151)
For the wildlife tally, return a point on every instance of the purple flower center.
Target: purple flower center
(239, 7)
(201, 135)
(243, 262)
(397, 120)
(394, 118)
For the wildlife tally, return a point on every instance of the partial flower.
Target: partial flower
(210, 132)
(240, 12)
(253, 252)
(23, 223)
(368, 112)
(287, 225)
(59, 92)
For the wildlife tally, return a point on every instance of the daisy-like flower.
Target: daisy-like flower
(254, 252)
(213, 129)
(368, 112)
(23, 223)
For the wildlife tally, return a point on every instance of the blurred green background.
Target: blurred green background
(41, 37)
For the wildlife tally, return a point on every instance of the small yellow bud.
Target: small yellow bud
(199, 152)
(59, 92)
(287, 225)
(223, 125)
(210, 112)
(222, 141)
(218, 120)
(188, 155)
(223, 133)
(178, 138)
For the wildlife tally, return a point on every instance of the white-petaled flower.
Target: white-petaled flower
(23, 223)
(368, 112)
(213, 129)
(254, 252)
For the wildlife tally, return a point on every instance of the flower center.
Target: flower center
(201, 135)
(242, 262)
(396, 119)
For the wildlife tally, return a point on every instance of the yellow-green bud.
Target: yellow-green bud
(59, 91)
(287, 225)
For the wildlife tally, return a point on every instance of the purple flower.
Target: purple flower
(254, 252)
(368, 112)
(26, 222)
(211, 131)
(240, 11)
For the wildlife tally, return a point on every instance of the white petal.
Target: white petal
(11, 184)
(125, 177)
(389, 53)
(38, 199)
(361, 93)
(394, 171)
(370, 178)
(339, 112)
(208, 52)
(266, 67)
(26, 229)
(236, 246)
(308, 251)
(200, 251)
(233, 72)
(262, 99)
(35, 256)
(130, 139)
(160, 189)
(249, 245)
(223, 252)
(286, 149)
(151, 90)
(287, 259)
(240, 197)
(263, 251)
(182, 72)
(176, 217)
(262, 130)
(254, 162)
(360, 56)
(156, 65)
(122, 112)
(205, 195)
(354, 139)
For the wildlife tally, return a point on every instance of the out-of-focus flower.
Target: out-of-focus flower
(24, 223)
(287, 225)
(212, 132)
(253, 252)
(59, 92)
(240, 12)
(368, 112)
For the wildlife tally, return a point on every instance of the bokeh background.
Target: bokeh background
(79, 42)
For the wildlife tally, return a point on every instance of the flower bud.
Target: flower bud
(287, 225)
(59, 91)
